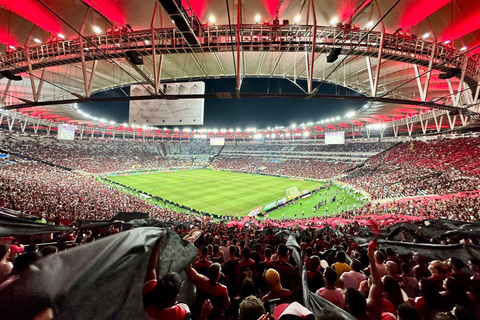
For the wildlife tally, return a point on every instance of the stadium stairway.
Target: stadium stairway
(164, 150)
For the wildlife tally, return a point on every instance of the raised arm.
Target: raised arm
(374, 301)
(152, 262)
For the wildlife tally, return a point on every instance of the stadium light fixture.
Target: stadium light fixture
(211, 19)
(306, 133)
(350, 114)
(147, 42)
(36, 40)
(273, 135)
(463, 48)
(258, 18)
(334, 21)
(61, 36)
(426, 35)
(294, 125)
(447, 42)
(175, 129)
(337, 118)
(370, 24)
(97, 30)
(297, 19)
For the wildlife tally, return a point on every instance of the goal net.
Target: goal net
(292, 192)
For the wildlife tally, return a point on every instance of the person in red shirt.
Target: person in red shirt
(271, 239)
(285, 269)
(160, 297)
(209, 289)
(245, 267)
(203, 263)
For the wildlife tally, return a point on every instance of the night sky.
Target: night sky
(243, 113)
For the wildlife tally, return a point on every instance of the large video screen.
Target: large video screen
(66, 132)
(167, 112)
(337, 137)
(217, 141)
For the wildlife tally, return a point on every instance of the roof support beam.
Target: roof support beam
(5, 92)
(157, 71)
(374, 80)
(311, 65)
(423, 89)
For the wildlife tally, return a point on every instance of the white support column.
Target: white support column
(452, 123)
(5, 92)
(113, 134)
(49, 128)
(143, 135)
(124, 135)
(103, 132)
(409, 127)
(92, 132)
(424, 126)
(24, 125)
(81, 131)
(35, 126)
(368, 132)
(11, 120)
(395, 129)
(464, 120)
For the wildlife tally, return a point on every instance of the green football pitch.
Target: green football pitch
(231, 193)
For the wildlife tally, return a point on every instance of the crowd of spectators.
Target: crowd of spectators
(442, 167)
(306, 168)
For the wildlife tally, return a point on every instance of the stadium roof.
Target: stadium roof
(55, 45)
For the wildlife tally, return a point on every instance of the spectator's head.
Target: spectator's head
(258, 247)
(272, 277)
(355, 302)
(23, 261)
(231, 251)
(251, 308)
(224, 243)
(48, 250)
(340, 256)
(282, 251)
(216, 248)
(31, 248)
(406, 311)
(455, 264)
(462, 313)
(267, 253)
(247, 288)
(4, 251)
(330, 276)
(392, 291)
(328, 313)
(204, 252)
(246, 253)
(165, 293)
(438, 267)
(474, 265)
(270, 231)
(315, 261)
(390, 253)
(214, 272)
(356, 265)
(405, 269)
(392, 268)
(379, 256)
(309, 251)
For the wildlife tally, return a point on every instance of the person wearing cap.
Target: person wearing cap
(209, 289)
(272, 277)
(294, 310)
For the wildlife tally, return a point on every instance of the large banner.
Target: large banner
(337, 137)
(269, 206)
(255, 211)
(217, 141)
(167, 112)
(66, 132)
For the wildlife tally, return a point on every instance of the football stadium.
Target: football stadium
(240, 159)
